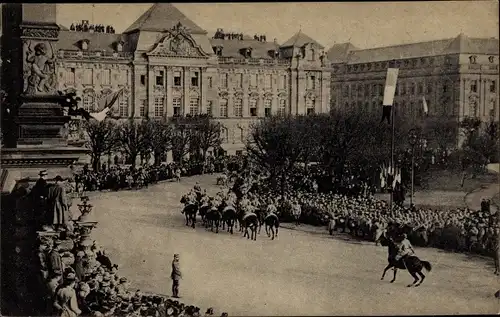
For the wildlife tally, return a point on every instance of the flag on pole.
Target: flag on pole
(109, 100)
(389, 91)
(397, 177)
(426, 108)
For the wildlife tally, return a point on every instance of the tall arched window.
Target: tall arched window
(123, 106)
(88, 101)
(282, 107)
(194, 105)
(253, 107)
(267, 107)
(311, 105)
(238, 108)
(223, 108)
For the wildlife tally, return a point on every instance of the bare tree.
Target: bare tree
(101, 139)
(160, 138)
(133, 139)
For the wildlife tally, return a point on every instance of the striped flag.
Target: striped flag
(109, 100)
(426, 108)
(389, 91)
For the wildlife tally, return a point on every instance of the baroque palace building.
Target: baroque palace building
(458, 77)
(168, 65)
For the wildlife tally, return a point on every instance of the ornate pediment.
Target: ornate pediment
(177, 43)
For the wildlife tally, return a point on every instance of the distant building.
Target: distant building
(458, 77)
(169, 65)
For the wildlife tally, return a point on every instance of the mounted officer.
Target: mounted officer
(405, 248)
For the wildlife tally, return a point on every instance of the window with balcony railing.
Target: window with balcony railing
(176, 103)
(253, 107)
(223, 108)
(159, 106)
(282, 107)
(238, 108)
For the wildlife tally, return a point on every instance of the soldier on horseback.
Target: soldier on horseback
(405, 248)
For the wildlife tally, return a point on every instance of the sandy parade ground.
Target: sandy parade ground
(299, 273)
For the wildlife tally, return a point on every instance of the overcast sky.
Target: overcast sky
(365, 24)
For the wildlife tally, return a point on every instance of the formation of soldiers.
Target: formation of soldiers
(354, 209)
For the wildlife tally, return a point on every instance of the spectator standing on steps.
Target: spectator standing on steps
(175, 276)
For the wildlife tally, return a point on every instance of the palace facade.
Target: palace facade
(168, 65)
(458, 77)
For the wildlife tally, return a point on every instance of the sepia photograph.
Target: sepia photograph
(250, 159)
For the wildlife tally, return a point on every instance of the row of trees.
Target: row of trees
(345, 142)
(181, 135)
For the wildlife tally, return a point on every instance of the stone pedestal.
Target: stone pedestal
(35, 134)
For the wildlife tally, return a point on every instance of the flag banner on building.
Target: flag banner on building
(389, 92)
(109, 100)
(426, 108)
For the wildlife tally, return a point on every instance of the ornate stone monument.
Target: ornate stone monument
(33, 125)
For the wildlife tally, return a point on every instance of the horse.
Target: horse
(249, 220)
(272, 221)
(229, 217)
(203, 210)
(261, 215)
(190, 210)
(214, 217)
(411, 263)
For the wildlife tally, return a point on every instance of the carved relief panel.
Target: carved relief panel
(39, 67)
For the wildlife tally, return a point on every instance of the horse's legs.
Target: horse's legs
(193, 219)
(217, 223)
(422, 278)
(232, 225)
(385, 270)
(272, 230)
(254, 232)
(277, 231)
(394, 278)
(415, 279)
(187, 218)
(267, 230)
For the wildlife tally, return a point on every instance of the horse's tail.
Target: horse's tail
(427, 265)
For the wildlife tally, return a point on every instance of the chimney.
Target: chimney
(275, 41)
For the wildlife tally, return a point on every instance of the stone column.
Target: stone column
(150, 90)
(203, 90)
(292, 104)
(169, 108)
(185, 89)
(301, 107)
(245, 104)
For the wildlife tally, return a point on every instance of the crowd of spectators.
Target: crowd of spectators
(118, 177)
(351, 206)
(85, 26)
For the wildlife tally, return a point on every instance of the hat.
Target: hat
(123, 279)
(43, 173)
(70, 276)
(176, 255)
(58, 178)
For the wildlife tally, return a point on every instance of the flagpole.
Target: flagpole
(393, 168)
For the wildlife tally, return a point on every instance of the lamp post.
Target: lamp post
(412, 139)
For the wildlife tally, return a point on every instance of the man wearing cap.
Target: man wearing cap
(55, 259)
(57, 209)
(39, 195)
(175, 276)
(66, 300)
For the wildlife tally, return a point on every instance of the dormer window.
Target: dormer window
(218, 50)
(84, 45)
(274, 53)
(312, 54)
(248, 52)
(119, 46)
(473, 59)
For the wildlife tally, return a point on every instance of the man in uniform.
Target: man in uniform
(175, 276)
(404, 248)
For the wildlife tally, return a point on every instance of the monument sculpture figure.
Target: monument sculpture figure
(41, 71)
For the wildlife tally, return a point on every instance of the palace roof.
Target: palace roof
(161, 17)
(458, 45)
(233, 48)
(300, 39)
